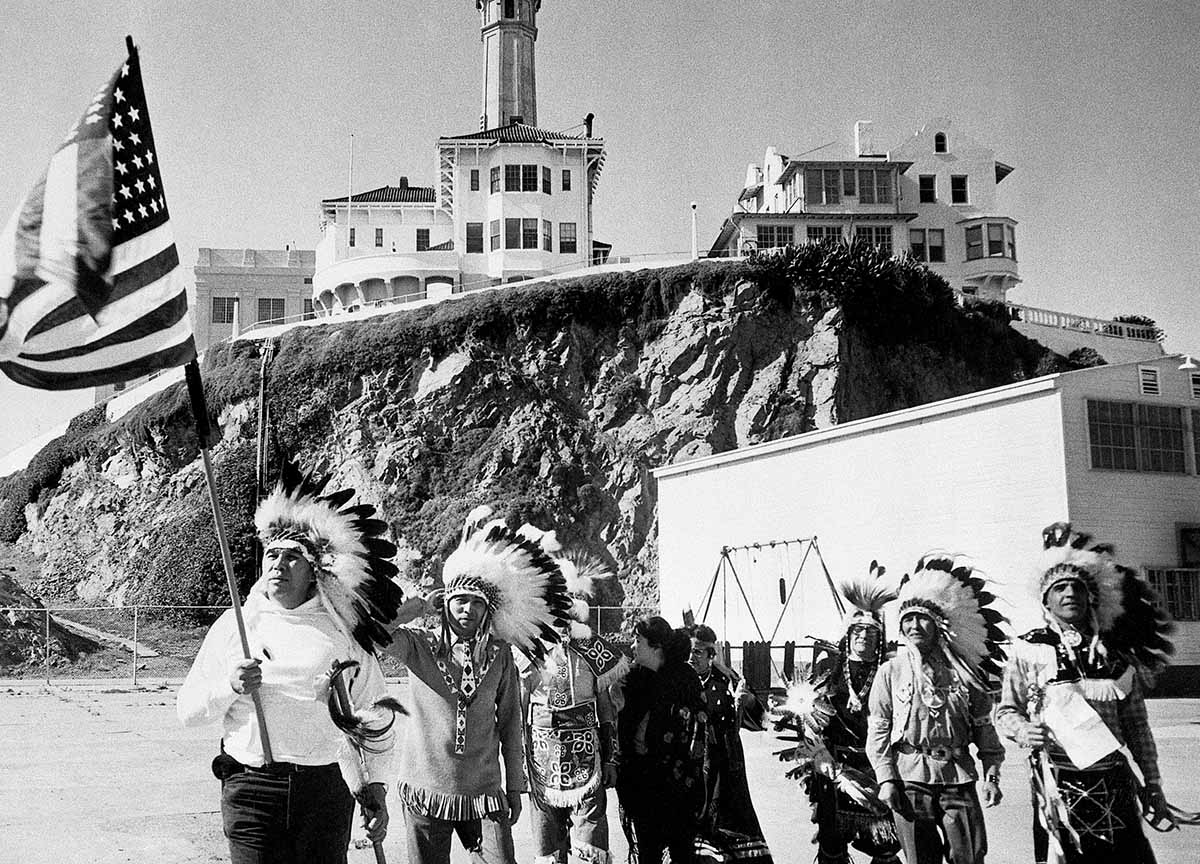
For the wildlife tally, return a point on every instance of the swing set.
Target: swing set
(757, 661)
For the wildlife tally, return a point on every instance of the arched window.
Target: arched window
(939, 142)
(510, 8)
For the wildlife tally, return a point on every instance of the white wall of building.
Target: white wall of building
(947, 476)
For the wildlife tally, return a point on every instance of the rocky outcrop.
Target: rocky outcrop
(28, 639)
(552, 403)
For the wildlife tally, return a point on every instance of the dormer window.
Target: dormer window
(939, 142)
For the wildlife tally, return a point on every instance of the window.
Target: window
(270, 310)
(995, 234)
(1196, 395)
(1178, 591)
(422, 239)
(495, 177)
(1196, 451)
(474, 237)
(309, 311)
(1010, 236)
(545, 180)
(494, 234)
(379, 237)
(1148, 381)
(927, 193)
(566, 180)
(939, 142)
(775, 236)
(351, 236)
(512, 178)
(474, 179)
(566, 237)
(822, 186)
(307, 280)
(848, 181)
(877, 235)
(222, 310)
(974, 242)
(875, 187)
(547, 235)
(529, 234)
(958, 189)
(510, 10)
(529, 178)
(512, 233)
(822, 233)
(916, 243)
(970, 290)
(1129, 436)
(937, 245)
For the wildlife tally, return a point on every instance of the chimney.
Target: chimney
(864, 141)
(403, 182)
(587, 123)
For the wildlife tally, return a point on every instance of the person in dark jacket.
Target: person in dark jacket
(662, 727)
(729, 829)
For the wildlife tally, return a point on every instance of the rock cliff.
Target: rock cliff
(550, 402)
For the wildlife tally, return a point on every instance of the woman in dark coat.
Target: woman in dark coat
(662, 728)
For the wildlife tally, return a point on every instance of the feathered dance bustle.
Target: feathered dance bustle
(346, 546)
(1126, 610)
(959, 603)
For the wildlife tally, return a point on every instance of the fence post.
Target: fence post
(135, 643)
(46, 647)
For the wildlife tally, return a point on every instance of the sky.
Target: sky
(253, 105)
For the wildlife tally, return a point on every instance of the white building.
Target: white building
(935, 198)
(512, 201)
(1113, 449)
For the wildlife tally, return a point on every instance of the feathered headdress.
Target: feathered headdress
(1124, 609)
(346, 547)
(868, 595)
(523, 587)
(957, 601)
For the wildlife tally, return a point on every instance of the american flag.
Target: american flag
(91, 290)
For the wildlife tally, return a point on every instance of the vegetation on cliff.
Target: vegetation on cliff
(551, 401)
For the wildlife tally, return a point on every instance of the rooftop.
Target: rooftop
(297, 258)
(402, 194)
(517, 133)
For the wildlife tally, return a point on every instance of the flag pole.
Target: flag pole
(200, 411)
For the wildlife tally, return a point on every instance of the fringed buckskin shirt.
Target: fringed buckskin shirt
(912, 741)
(434, 779)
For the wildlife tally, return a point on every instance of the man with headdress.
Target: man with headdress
(838, 686)
(315, 613)
(729, 829)
(1073, 693)
(570, 724)
(928, 704)
(499, 590)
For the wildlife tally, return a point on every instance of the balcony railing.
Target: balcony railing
(1080, 323)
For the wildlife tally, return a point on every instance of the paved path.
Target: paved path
(107, 776)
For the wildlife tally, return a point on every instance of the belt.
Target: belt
(284, 769)
(941, 752)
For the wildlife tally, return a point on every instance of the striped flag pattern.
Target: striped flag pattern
(91, 291)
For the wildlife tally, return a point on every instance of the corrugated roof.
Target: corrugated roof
(516, 133)
(388, 195)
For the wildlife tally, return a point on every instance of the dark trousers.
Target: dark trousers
(653, 836)
(292, 817)
(428, 840)
(584, 827)
(1104, 811)
(949, 823)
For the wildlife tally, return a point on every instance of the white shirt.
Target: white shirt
(297, 648)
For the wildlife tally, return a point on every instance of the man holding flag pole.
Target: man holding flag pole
(91, 294)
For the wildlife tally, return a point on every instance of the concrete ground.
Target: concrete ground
(106, 775)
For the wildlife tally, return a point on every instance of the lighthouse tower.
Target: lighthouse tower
(508, 30)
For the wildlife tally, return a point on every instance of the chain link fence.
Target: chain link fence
(149, 644)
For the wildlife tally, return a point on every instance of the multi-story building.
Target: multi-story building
(934, 198)
(512, 201)
(237, 289)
